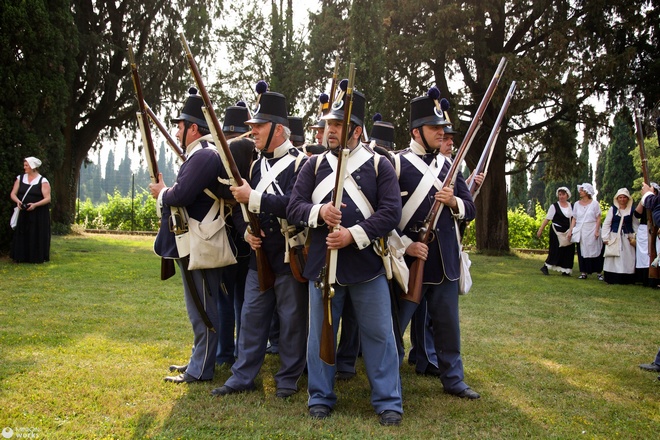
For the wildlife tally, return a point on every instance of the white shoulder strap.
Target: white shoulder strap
(269, 174)
(356, 160)
(429, 179)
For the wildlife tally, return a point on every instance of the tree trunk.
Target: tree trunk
(64, 184)
(492, 230)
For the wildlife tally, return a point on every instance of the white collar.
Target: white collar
(196, 145)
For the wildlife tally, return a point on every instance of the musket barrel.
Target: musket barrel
(414, 283)
(264, 269)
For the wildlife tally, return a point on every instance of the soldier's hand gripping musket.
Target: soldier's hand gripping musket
(327, 351)
(426, 231)
(265, 271)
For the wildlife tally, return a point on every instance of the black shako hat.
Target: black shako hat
(319, 124)
(297, 130)
(337, 108)
(192, 110)
(382, 132)
(235, 117)
(450, 130)
(426, 110)
(271, 107)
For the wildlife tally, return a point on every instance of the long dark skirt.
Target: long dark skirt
(31, 243)
(619, 278)
(590, 265)
(560, 257)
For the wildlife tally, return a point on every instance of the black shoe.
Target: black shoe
(178, 368)
(431, 370)
(319, 412)
(344, 375)
(390, 418)
(650, 367)
(544, 269)
(467, 393)
(181, 378)
(273, 349)
(566, 274)
(224, 390)
(283, 393)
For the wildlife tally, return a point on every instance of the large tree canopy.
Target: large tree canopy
(38, 42)
(564, 54)
(102, 100)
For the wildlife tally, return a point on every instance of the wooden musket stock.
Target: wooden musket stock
(170, 140)
(264, 269)
(143, 120)
(328, 274)
(653, 229)
(417, 268)
(166, 265)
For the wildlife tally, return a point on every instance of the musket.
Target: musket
(166, 265)
(329, 271)
(143, 122)
(653, 230)
(487, 154)
(168, 137)
(264, 269)
(426, 231)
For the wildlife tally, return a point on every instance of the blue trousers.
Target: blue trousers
(442, 302)
(226, 345)
(422, 351)
(371, 302)
(348, 347)
(205, 344)
(287, 298)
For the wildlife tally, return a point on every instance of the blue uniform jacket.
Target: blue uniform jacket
(200, 170)
(357, 262)
(271, 207)
(443, 256)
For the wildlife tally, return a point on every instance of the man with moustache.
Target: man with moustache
(201, 287)
(422, 168)
(360, 271)
(266, 192)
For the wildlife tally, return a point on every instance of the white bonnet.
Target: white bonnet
(588, 188)
(33, 162)
(565, 189)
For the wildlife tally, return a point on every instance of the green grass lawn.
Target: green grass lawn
(85, 342)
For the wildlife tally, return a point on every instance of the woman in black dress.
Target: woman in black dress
(559, 258)
(31, 193)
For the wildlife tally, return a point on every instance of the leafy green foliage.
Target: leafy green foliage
(619, 169)
(518, 191)
(39, 44)
(523, 227)
(120, 213)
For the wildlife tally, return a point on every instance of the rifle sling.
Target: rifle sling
(193, 292)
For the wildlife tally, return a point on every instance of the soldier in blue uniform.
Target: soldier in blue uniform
(266, 193)
(200, 171)
(233, 277)
(360, 271)
(422, 169)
